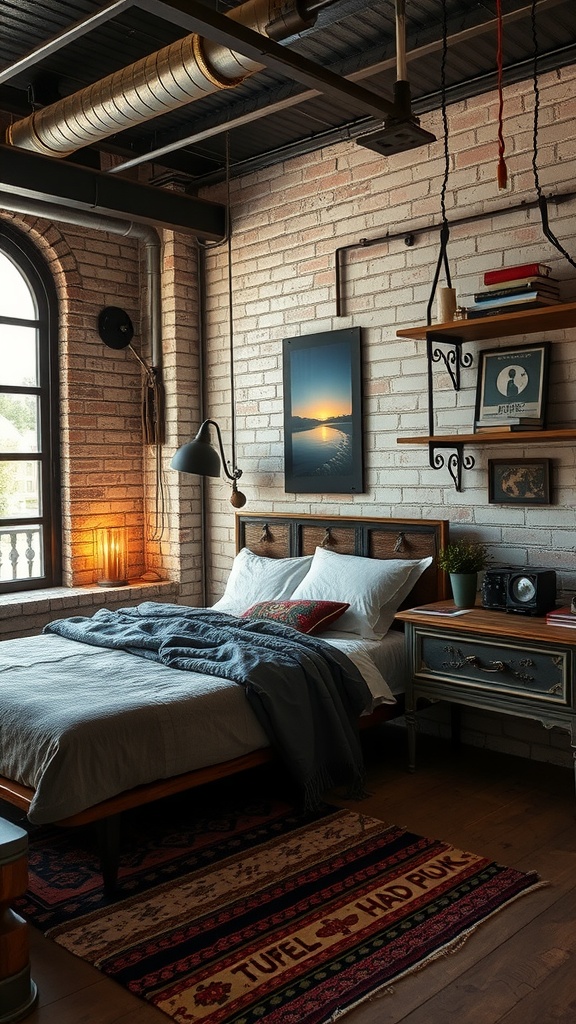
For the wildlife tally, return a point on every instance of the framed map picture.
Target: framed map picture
(512, 387)
(322, 413)
(519, 481)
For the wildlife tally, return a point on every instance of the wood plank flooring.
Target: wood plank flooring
(517, 968)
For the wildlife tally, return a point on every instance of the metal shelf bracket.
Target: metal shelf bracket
(454, 359)
(455, 462)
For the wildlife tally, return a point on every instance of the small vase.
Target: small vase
(464, 587)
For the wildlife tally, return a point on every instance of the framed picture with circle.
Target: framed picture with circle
(512, 388)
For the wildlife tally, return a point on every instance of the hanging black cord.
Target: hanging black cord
(445, 230)
(542, 201)
(232, 466)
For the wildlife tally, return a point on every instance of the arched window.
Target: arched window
(29, 428)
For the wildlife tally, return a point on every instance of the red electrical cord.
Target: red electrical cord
(502, 172)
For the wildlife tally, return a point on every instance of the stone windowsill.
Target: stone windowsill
(57, 598)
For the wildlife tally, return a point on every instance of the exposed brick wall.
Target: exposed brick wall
(109, 477)
(288, 222)
(179, 552)
(99, 392)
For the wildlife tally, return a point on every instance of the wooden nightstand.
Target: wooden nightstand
(496, 661)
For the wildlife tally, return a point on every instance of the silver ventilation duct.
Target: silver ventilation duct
(178, 74)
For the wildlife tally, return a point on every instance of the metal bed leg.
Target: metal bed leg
(109, 850)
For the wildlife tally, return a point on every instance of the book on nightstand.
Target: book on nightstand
(561, 617)
(448, 609)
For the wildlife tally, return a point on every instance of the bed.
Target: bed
(344, 577)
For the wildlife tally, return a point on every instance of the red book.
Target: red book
(511, 273)
(561, 616)
(535, 281)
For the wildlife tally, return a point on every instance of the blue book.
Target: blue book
(530, 287)
(514, 298)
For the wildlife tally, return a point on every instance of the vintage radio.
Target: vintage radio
(526, 591)
(531, 591)
(495, 588)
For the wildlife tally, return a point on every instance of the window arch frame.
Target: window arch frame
(28, 261)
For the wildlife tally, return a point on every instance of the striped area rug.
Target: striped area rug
(262, 915)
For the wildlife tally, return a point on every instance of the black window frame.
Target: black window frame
(28, 260)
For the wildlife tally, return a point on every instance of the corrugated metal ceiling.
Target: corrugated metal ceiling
(270, 117)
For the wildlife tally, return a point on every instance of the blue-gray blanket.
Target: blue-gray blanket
(307, 695)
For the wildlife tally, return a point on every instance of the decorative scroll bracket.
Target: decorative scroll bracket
(455, 463)
(454, 359)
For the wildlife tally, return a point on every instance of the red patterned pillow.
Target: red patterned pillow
(305, 616)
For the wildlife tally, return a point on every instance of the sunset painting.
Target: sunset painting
(322, 416)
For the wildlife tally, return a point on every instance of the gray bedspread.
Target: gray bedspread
(304, 694)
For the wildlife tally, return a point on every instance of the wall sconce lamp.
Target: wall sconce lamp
(199, 457)
(111, 556)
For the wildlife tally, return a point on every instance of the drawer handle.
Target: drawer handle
(492, 667)
(473, 659)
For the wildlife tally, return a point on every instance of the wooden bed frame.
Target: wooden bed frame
(275, 536)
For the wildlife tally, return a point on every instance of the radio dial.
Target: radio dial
(523, 589)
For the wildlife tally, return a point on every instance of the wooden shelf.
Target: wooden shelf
(547, 318)
(497, 437)
(451, 336)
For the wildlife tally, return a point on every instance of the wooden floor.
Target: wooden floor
(517, 968)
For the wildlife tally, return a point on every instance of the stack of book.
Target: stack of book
(513, 289)
(561, 617)
(513, 423)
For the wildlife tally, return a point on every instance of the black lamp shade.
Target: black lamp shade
(198, 456)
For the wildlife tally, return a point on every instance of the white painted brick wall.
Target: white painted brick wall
(288, 223)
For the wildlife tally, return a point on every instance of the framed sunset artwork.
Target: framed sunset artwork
(322, 413)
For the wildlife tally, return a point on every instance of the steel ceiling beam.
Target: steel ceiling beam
(240, 114)
(195, 17)
(80, 188)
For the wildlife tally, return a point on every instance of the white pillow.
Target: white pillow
(255, 578)
(374, 588)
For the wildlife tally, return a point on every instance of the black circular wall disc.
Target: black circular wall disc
(115, 327)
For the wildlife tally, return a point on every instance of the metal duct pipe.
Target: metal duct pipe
(172, 77)
(127, 229)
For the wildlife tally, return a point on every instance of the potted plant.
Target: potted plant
(463, 560)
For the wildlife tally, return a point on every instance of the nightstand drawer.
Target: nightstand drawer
(526, 671)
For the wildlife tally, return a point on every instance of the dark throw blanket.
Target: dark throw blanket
(306, 695)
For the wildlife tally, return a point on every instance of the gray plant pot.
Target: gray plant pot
(464, 588)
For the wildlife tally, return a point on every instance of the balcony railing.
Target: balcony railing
(20, 553)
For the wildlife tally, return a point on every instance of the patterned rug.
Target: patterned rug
(262, 914)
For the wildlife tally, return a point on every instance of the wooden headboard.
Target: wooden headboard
(279, 535)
